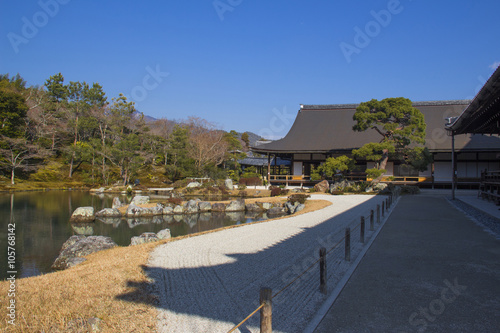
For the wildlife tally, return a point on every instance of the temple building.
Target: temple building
(322, 131)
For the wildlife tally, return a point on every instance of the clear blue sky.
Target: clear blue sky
(248, 65)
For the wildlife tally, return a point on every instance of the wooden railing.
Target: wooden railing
(490, 186)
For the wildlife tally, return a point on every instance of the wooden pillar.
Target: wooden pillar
(268, 169)
(453, 166)
(266, 313)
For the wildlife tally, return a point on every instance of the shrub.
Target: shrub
(181, 183)
(298, 197)
(251, 181)
(410, 189)
(175, 201)
(243, 194)
(242, 187)
(276, 191)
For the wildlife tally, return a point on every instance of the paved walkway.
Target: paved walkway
(430, 269)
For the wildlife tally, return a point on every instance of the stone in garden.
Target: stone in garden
(276, 211)
(253, 207)
(228, 183)
(168, 210)
(322, 186)
(108, 212)
(164, 234)
(236, 206)
(299, 208)
(204, 206)
(80, 246)
(117, 203)
(100, 190)
(83, 214)
(291, 207)
(191, 207)
(178, 209)
(193, 185)
(266, 205)
(218, 207)
(140, 200)
(380, 187)
(146, 237)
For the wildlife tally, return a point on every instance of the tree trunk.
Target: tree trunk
(12, 176)
(71, 165)
(382, 165)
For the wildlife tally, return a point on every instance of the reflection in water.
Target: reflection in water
(42, 225)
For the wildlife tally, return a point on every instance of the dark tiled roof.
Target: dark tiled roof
(262, 161)
(483, 113)
(328, 128)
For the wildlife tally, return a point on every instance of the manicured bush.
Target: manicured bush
(251, 181)
(175, 201)
(298, 197)
(276, 191)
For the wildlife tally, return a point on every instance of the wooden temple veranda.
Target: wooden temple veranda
(322, 131)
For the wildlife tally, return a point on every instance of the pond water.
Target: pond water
(42, 225)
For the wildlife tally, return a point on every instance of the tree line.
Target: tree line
(103, 141)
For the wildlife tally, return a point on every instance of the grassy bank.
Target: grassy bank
(110, 286)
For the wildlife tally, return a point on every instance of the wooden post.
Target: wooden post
(322, 271)
(348, 244)
(266, 313)
(371, 220)
(378, 213)
(362, 230)
(383, 206)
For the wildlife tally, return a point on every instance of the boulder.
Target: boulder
(291, 207)
(140, 200)
(193, 185)
(253, 207)
(146, 237)
(80, 246)
(266, 205)
(190, 207)
(204, 206)
(299, 208)
(136, 211)
(168, 210)
(380, 187)
(341, 185)
(218, 207)
(178, 209)
(164, 234)
(322, 186)
(117, 203)
(228, 183)
(108, 212)
(100, 190)
(276, 211)
(83, 214)
(236, 206)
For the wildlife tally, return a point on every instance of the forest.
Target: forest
(71, 132)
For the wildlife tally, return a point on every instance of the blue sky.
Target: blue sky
(248, 65)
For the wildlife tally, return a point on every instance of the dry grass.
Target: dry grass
(111, 285)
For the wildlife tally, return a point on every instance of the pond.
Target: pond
(42, 225)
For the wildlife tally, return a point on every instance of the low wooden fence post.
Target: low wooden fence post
(378, 213)
(348, 244)
(383, 206)
(362, 230)
(371, 220)
(266, 313)
(322, 270)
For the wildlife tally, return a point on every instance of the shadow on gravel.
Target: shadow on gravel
(229, 292)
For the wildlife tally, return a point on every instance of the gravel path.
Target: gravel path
(210, 283)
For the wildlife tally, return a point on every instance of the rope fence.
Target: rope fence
(266, 295)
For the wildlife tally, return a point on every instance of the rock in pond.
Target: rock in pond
(218, 207)
(204, 206)
(190, 207)
(164, 234)
(76, 247)
(140, 200)
(193, 185)
(108, 212)
(146, 237)
(253, 207)
(83, 214)
(236, 206)
(117, 203)
(276, 211)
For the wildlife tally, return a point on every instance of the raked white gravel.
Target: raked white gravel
(209, 283)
